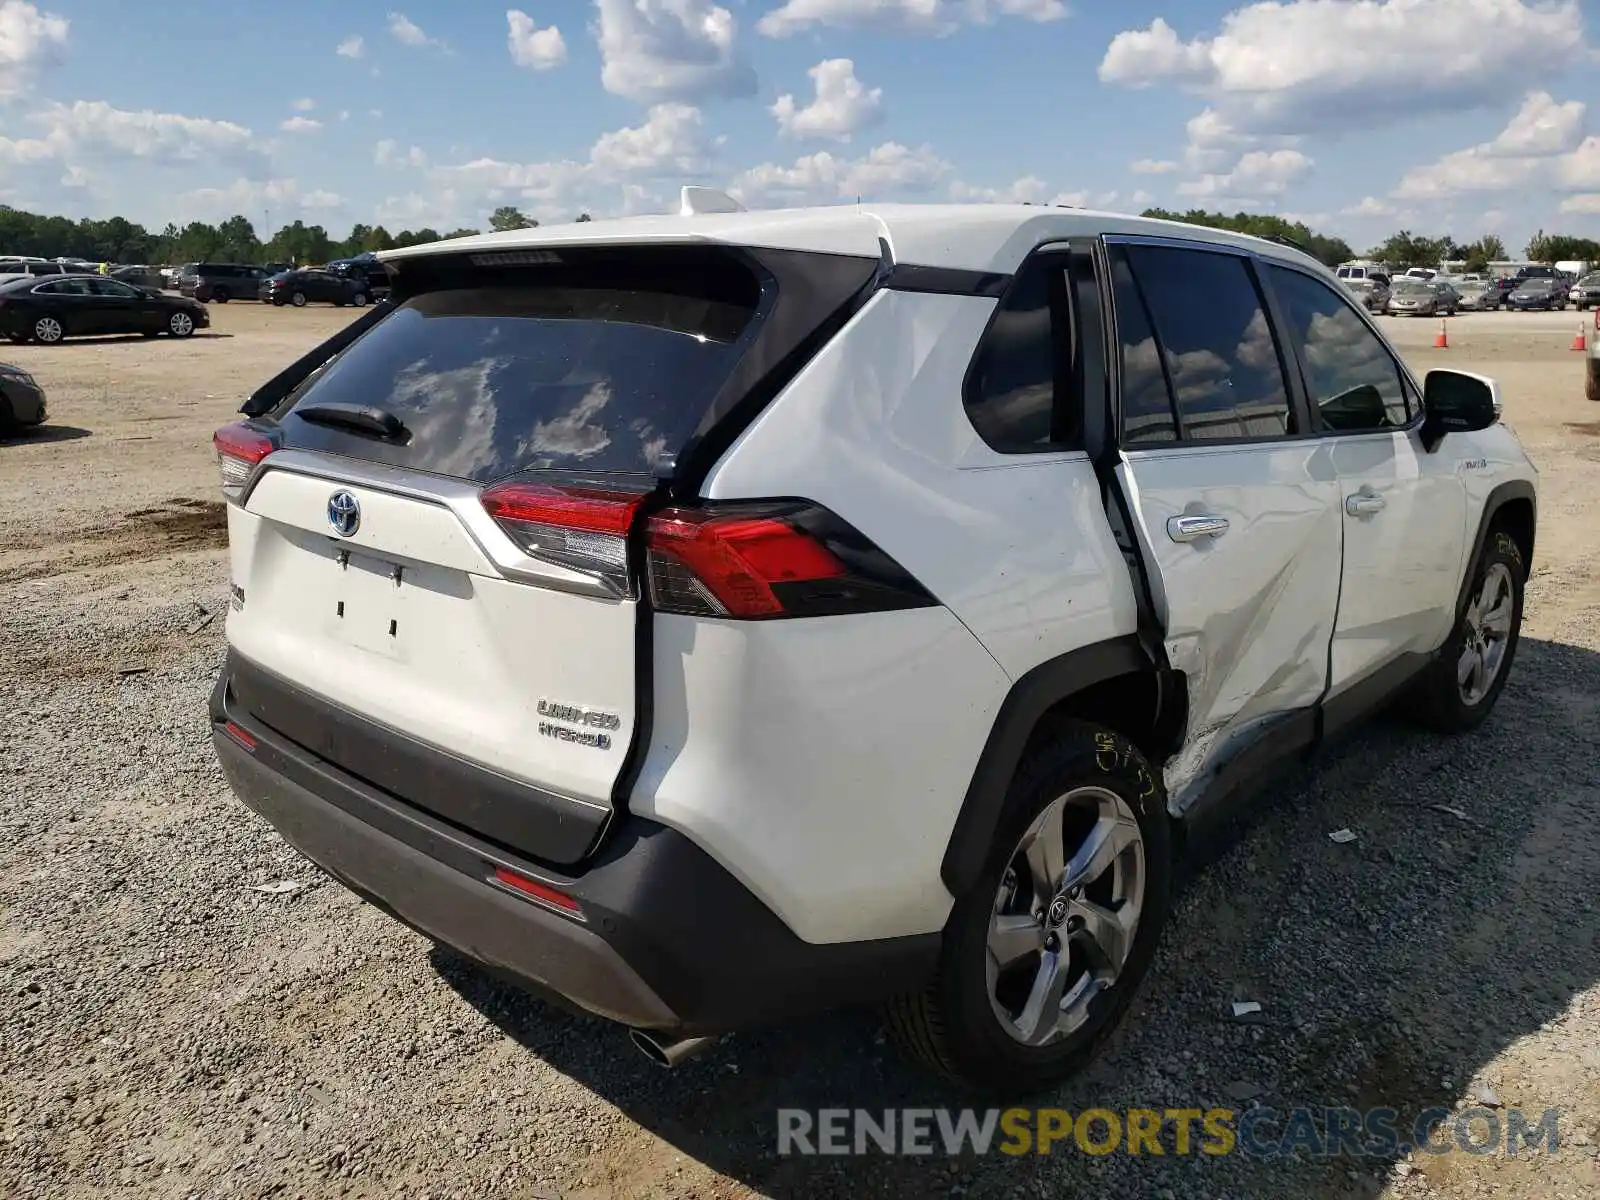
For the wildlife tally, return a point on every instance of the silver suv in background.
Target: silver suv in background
(1370, 284)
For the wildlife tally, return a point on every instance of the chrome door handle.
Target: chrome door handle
(1364, 504)
(1193, 528)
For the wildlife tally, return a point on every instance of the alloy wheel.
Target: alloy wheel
(181, 324)
(1487, 634)
(47, 329)
(1065, 915)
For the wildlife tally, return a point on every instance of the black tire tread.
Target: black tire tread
(917, 1020)
(1437, 700)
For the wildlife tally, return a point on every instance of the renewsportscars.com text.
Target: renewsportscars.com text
(1259, 1132)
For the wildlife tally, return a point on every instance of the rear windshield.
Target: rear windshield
(599, 371)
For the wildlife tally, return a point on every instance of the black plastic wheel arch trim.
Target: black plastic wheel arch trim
(1029, 698)
(1499, 496)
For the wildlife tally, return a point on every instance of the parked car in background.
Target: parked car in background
(1369, 284)
(1539, 292)
(364, 269)
(1477, 295)
(1449, 296)
(21, 399)
(139, 276)
(1413, 297)
(30, 266)
(1503, 286)
(310, 285)
(47, 310)
(1421, 273)
(1585, 293)
(223, 282)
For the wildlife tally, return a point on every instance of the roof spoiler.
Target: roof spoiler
(697, 200)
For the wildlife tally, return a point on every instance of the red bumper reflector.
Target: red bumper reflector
(539, 891)
(239, 735)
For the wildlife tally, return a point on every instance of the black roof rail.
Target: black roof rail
(1287, 241)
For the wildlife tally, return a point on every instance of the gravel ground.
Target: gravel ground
(169, 1030)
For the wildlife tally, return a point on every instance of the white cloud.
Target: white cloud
(1300, 66)
(671, 140)
(29, 39)
(94, 130)
(934, 17)
(1371, 206)
(353, 46)
(658, 50)
(1084, 198)
(1030, 189)
(1257, 173)
(1541, 127)
(283, 196)
(1469, 170)
(881, 173)
(344, 114)
(1153, 166)
(532, 47)
(408, 33)
(1580, 170)
(387, 153)
(300, 125)
(1587, 204)
(305, 105)
(843, 105)
(1541, 133)
(1141, 199)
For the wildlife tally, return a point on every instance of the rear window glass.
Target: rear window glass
(599, 371)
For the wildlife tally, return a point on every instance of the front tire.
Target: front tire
(1458, 691)
(1041, 957)
(180, 324)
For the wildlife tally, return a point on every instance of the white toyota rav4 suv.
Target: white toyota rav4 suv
(715, 617)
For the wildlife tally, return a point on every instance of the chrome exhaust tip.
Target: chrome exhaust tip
(664, 1051)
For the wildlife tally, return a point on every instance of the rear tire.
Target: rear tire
(49, 330)
(221, 296)
(1458, 691)
(360, 300)
(298, 299)
(962, 1024)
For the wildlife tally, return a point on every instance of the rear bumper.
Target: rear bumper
(670, 940)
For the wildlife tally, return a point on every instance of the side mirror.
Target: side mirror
(1457, 402)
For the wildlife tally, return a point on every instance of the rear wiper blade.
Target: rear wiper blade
(362, 418)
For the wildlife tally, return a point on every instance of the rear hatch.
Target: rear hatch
(429, 533)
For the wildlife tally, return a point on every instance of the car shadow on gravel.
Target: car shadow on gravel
(1392, 971)
(42, 434)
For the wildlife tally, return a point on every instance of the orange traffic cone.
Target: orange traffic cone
(1577, 339)
(1442, 342)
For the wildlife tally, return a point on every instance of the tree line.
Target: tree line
(118, 240)
(1401, 250)
(235, 240)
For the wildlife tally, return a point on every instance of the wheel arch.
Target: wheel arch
(1113, 682)
(1512, 506)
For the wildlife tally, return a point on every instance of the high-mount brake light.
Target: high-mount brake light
(766, 561)
(584, 529)
(240, 450)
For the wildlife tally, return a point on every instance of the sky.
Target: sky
(1359, 117)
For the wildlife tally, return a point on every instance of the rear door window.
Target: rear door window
(604, 369)
(1221, 357)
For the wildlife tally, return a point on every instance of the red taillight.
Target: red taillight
(239, 449)
(581, 528)
(757, 560)
(728, 566)
(542, 892)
